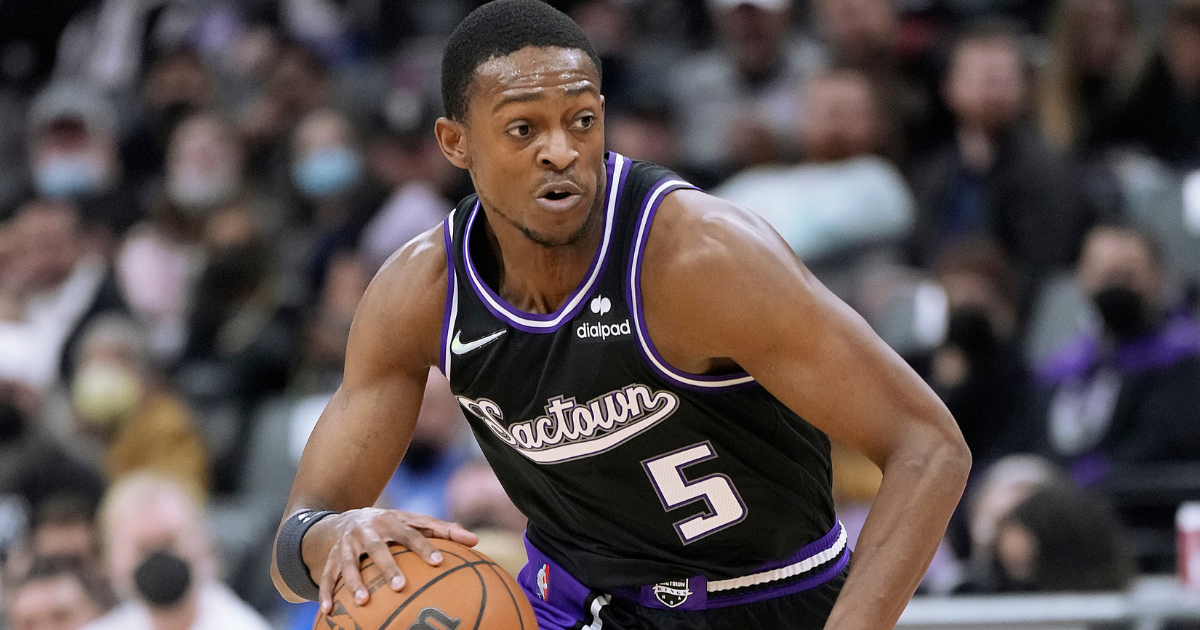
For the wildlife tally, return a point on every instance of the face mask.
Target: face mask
(69, 175)
(162, 579)
(12, 421)
(195, 193)
(1123, 311)
(327, 172)
(104, 393)
(970, 330)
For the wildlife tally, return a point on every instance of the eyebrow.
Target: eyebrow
(528, 97)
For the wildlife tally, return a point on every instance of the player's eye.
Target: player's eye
(521, 130)
(586, 121)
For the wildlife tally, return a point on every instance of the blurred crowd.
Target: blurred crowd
(196, 193)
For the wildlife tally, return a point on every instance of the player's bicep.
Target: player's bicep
(819, 357)
(760, 306)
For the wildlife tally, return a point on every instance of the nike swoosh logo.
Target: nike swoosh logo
(458, 347)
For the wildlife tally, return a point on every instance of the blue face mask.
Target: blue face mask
(327, 172)
(68, 175)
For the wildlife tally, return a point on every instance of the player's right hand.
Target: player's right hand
(368, 531)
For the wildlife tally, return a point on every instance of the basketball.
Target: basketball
(466, 591)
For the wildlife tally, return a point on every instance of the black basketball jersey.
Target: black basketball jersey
(631, 472)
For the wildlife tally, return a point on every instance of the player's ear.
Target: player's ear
(453, 141)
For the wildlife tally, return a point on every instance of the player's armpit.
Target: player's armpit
(365, 429)
(734, 293)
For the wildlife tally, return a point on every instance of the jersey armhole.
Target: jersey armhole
(633, 294)
(450, 311)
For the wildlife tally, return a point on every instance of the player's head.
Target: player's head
(524, 114)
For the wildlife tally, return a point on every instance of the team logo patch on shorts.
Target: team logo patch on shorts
(672, 593)
(543, 582)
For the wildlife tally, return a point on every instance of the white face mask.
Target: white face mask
(105, 392)
(196, 192)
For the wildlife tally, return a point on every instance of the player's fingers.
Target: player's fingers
(462, 535)
(420, 545)
(436, 528)
(328, 580)
(449, 531)
(353, 578)
(381, 555)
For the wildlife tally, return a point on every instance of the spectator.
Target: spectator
(1129, 392)
(36, 471)
(866, 35)
(328, 330)
(176, 84)
(1098, 58)
(161, 563)
(56, 594)
(844, 200)
(739, 104)
(1060, 538)
(477, 501)
(646, 132)
(207, 201)
(73, 154)
(412, 167)
(60, 281)
(328, 170)
(1166, 110)
(978, 369)
(298, 84)
(997, 179)
(240, 349)
(1001, 487)
(64, 527)
(120, 401)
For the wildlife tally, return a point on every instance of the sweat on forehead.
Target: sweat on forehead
(498, 29)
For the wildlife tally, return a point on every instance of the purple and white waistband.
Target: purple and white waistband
(813, 565)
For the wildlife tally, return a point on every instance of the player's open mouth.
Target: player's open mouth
(559, 197)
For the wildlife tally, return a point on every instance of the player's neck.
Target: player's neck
(536, 278)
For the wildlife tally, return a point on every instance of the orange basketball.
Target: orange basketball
(466, 591)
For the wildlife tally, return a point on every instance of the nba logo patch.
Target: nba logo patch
(543, 582)
(672, 593)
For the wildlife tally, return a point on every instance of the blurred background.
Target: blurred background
(195, 193)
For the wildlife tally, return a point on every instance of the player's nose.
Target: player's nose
(558, 150)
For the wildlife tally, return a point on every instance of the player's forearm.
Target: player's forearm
(922, 483)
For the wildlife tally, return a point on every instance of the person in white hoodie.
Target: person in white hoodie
(161, 562)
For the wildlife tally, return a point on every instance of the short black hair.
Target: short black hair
(55, 567)
(501, 28)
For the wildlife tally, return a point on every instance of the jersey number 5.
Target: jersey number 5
(725, 507)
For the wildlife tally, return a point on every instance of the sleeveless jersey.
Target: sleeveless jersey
(631, 472)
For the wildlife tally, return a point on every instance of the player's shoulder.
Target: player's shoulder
(419, 263)
(406, 298)
(697, 233)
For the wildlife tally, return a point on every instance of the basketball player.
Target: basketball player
(650, 371)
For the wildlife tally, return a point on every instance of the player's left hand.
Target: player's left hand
(369, 531)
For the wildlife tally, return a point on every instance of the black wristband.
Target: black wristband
(289, 558)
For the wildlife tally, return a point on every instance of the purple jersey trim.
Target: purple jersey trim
(451, 306)
(633, 296)
(807, 551)
(812, 581)
(617, 166)
(560, 601)
(699, 598)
